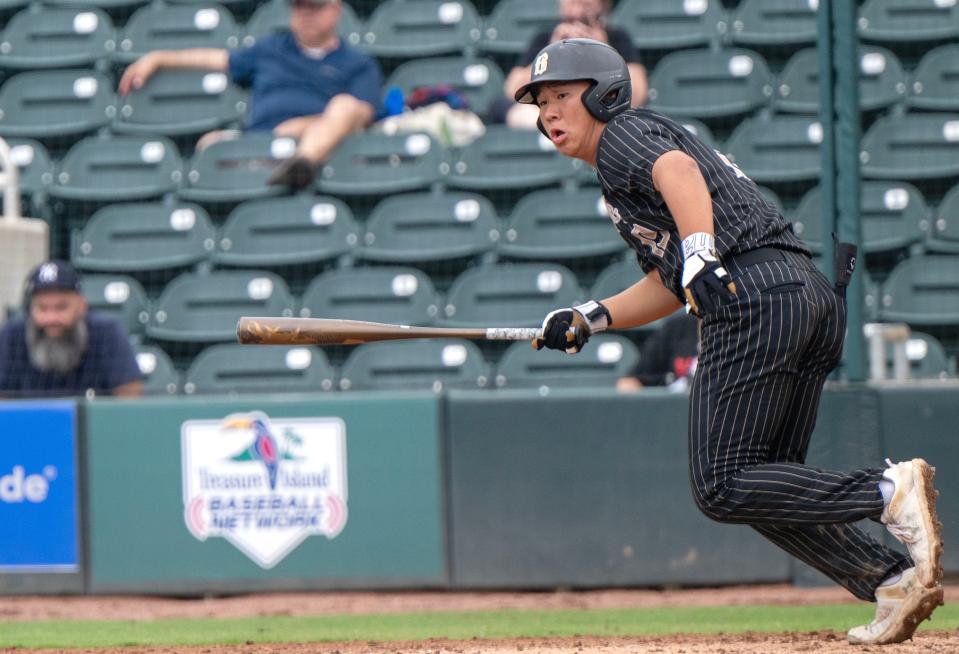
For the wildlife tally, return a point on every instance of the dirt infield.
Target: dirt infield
(295, 604)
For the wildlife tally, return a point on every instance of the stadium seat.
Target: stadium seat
(606, 358)
(944, 232)
(908, 21)
(402, 29)
(510, 295)
(119, 296)
(118, 168)
(286, 231)
(736, 82)
(926, 356)
(234, 368)
(179, 103)
(370, 163)
(922, 290)
(560, 225)
(134, 237)
(44, 104)
(777, 149)
(33, 164)
(893, 217)
(912, 147)
(882, 81)
(274, 16)
(773, 23)
(617, 277)
(669, 25)
(505, 158)
(160, 377)
(429, 227)
(199, 308)
(161, 26)
(426, 364)
(393, 294)
(120, 6)
(513, 23)
(234, 170)
(700, 129)
(480, 81)
(51, 37)
(935, 81)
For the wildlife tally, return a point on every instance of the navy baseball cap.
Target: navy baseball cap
(54, 275)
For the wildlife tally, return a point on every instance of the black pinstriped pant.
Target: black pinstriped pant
(764, 358)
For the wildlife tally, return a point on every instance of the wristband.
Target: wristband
(596, 314)
(699, 242)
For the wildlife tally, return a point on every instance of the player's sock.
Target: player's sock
(886, 488)
(891, 580)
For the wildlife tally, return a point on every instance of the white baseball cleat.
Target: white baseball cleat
(900, 608)
(911, 517)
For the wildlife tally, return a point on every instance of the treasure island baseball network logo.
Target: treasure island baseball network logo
(264, 485)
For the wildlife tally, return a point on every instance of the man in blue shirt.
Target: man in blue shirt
(304, 83)
(59, 348)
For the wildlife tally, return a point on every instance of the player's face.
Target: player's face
(54, 312)
(314, 25)
(581, 11)
(571, 128)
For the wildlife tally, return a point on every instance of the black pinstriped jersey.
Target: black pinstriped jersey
(743, 219)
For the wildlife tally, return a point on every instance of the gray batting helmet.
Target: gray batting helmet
(588, 60)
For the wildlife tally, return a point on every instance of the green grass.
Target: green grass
(453, 625)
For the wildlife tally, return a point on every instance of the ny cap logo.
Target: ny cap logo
(539, 66)
(48, 273)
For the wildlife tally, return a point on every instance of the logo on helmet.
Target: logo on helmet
(539, 66)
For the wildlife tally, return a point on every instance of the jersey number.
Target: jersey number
(739, 173)
(655, 241)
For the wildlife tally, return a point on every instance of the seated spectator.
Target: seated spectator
(59, 348)
(578, 19)
(305, 83)
(668, 357)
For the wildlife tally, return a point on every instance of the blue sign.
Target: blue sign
(38, 487)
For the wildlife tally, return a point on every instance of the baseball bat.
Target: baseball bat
(323, 331)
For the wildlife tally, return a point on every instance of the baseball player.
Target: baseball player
(772, 329)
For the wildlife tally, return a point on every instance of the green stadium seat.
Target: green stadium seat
(922, 290)
(893, 215)
(512, 24)
(882, 81)
(505, 158)
(371, 163)
(935, 81)
(402, 29)
(617, 277)
(161, 26)
(735, 81)
(510, 295)
(392, 294)
(119, 296)
(44, 104)
(926, 355)
(118, 168)
(912, 147)
(777, 149)
(420, 228)
(198, 308)
(236, 169)
(107, 5)
(135, 237)
(51, 37)
(274, 16)
(179, 103)
(773, 23)
(160, 377)
(908, 21)
(943, 234)
(426, 364)
(669, 25)
(229, 368)
(605, 359)
(286, 231)
(559, 226)
(480, 81)
(33, 164)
